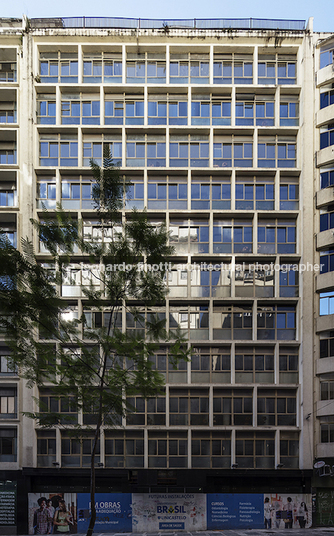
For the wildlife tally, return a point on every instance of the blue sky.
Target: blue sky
(321, 10)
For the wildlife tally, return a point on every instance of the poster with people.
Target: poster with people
(287, 511)
(52, 513)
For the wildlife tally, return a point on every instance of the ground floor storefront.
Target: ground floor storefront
(157, 500)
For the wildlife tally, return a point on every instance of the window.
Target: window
(264, 111)
(326, 261)
(225, 149)
(189, 68)
(77, 452)
(173, 374)
(59, 67)
(244, 110)
(232, 236)
(177, 281)
(277, 152)
(177, 194)
(189, 407)
(326, 344)
(113, 111)
(232, 407)
(8, 112)
(192, 321)
(134, 112)
(210, 449)
(181, 147)
(220, 111)
(254, 364)
(254, 283)
(326, 56)
(135, 194)
(8, 71)
(8, 403)
(232, 322)
(149, 150)
(204, 112)
(104, 65)
(288, 282)
(58, 150)
(76, 192)
(276, 236)
(157, 111)
(211, 365)
(277, 69)
(276, 407)
(124, 448)
(233, 68)
(5, 367)
(326, 96)
(65, 406)
(277, 322)
(46, 448)
(46, 109)
(11, 236)
(158, 198)
(327, 136)
(167, 449)
(246, 192)
(327, 390)
(46, 192)
(95, 320)
(151, 412)
(289, 194)
(78, 277)
(327, 429)
(326, 303)
(289, 449)
(177, 110)
(146, 67)
(95, 149)
(189, 236)
(8, 154)
(8, 198)
(211, 280)
(255, 450)
(289, 112)
(8, 444)
(326, 178)
(79, 108)
(135, 325)
(248, 106)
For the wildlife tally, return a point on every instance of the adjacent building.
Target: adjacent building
(225, 130)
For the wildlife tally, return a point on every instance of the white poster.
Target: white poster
(287, 511)
(170, 511)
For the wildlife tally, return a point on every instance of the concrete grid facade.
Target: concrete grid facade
(227, 136)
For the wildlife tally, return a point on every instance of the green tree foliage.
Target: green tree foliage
(94, 368)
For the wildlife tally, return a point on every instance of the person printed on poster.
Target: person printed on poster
(42, 518)
(62, 519)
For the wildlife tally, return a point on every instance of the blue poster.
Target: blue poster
(113, 512)
(239, 510)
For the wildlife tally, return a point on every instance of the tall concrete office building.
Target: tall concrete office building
(225, 130)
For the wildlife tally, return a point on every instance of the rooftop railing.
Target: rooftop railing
(166, 24)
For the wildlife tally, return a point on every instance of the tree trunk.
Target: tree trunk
(92, 479)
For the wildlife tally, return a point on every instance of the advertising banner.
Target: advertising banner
(113, 512)
(48, 511)
(170, 511)
(229, 510)
(290, 511)
(7, 508)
